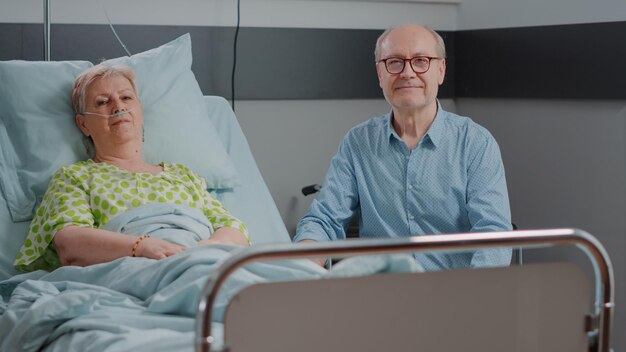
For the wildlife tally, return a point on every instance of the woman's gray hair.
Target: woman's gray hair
(85, 79)
(441, 46)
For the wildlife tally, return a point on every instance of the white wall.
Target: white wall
(293, 142)
(254, 13)
(565, 159)
(565, 166)
(477, 14)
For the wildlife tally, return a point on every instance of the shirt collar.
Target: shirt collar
(391, 133)
(434, 133)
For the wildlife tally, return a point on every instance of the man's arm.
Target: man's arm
(319, 261)
(330, 213)
(488, 201)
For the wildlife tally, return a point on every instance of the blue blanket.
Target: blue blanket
(140, 304)
(174, 223)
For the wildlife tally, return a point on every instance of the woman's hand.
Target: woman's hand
(155, 248)
(227, 235)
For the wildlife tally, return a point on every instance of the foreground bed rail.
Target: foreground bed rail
(599, 325)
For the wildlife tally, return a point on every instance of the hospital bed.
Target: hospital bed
(354, 306)
(537, 307)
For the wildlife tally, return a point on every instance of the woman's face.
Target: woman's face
(106, 98)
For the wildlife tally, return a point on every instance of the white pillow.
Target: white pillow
(38, 134)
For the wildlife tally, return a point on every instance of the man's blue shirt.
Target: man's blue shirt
(452, 181)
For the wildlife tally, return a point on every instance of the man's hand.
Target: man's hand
(319, 261)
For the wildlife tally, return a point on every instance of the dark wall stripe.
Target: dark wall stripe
(312, 63)
(272, 63)
(581, 61)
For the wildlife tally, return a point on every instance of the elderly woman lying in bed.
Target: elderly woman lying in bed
(73, 226)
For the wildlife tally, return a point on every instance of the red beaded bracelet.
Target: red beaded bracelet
(134, 250)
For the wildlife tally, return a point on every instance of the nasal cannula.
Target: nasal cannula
(108, 116)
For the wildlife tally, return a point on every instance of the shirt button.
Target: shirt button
(410, 186)
(410, 217)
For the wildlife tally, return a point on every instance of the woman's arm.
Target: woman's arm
(227, 228)
(84, 246)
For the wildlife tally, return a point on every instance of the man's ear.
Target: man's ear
(442, 71)
(80, 122)
(378, 73)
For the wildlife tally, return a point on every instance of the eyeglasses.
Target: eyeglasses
(419, 64)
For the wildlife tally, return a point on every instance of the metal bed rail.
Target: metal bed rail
(603, 270)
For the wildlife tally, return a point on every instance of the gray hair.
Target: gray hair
(441, 46)
(85, 79)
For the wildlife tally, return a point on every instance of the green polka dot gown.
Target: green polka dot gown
(89, 194)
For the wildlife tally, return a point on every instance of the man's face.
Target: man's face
(407, 90)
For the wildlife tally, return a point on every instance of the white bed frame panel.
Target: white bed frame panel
(528, 308)
(540, 307)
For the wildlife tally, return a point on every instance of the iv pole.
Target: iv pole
(46, 29)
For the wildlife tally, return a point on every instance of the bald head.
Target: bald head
(418, 31)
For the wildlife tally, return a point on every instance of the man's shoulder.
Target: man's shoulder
(372, 125)
(465, 125)
(367, 133)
